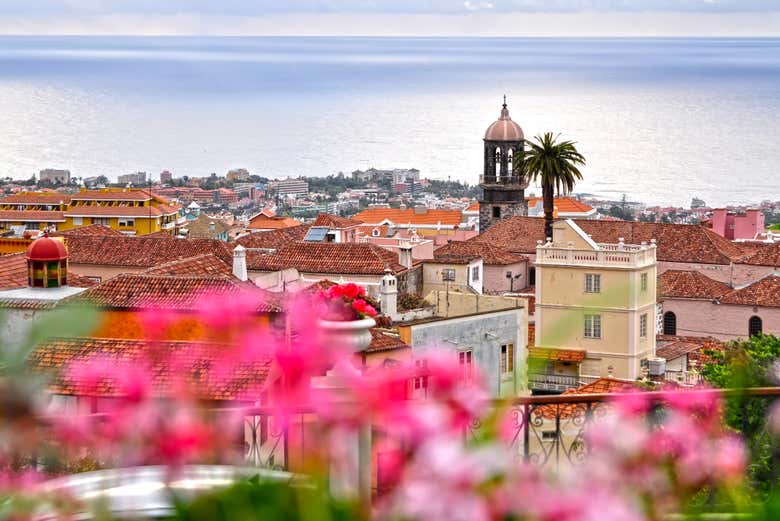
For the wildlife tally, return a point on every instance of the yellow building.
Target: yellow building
(595, 308)
(134, 212)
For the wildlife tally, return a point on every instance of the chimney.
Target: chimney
(239, 263)
(405, 255)
(212, 226)
(388, 295)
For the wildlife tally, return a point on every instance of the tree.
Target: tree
(102, 180)
(555, 165)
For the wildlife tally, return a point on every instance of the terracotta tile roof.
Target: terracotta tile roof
(36, 198)
(323, 257)
(690, 284)
(570, 410)
(676, 349)
(145, 291)
(698, 355)
(200, 265)
(188, 360)
(113, 195)
(382, 340)
(141, 252)
(564, 205)
(473, 207)
(531, 335)
(122, 211)
(452, 259)
(676, 242)
(491, 255)
(13, 273)
(274, 239)
(334, 221)
(559, 355)
(263, 221)
(369, 230)
(32, 215)
(764, 292)
(410, 216)
(92, 229)
(27, 304)
(766, 255)
(200, 228)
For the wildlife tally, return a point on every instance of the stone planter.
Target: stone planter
(348, 336)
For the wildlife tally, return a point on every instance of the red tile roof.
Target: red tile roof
(317, 257)
(32, 215)
(274, 239)
(766, 255)
(13, 273)
(565, 205)
(491, 255)
(263, 221)
(113, 195)
(676, 242)
(45, 198)
(570, 410)
(764, 292)
(676, 349)
(145, 291)
(560, 355)
(410, 216)
(698, 355)
(382, 340)
(190, 361)
(141, 252)
(690, 284)
(200, 265)
(335, 222)
(92, 229)
(122, 211)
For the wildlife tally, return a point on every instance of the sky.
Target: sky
(394, 17)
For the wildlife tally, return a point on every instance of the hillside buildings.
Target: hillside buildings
(136, 179)
(52, 176)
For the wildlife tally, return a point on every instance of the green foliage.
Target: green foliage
(407, 301)
(260, 500)
(744, 364)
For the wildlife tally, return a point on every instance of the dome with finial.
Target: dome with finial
(504, 129)
(46, 249)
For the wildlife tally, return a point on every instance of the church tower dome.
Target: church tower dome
(47, 263)
(503, 184)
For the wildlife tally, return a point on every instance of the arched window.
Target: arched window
(670, 323)
(755, 326)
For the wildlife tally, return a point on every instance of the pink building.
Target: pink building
(696, 305)
(503, 271)
(732, 225)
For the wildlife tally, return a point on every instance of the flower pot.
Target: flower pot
(348, 336)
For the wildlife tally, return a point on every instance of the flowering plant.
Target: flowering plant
(343, 302)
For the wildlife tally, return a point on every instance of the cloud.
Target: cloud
(445, 7)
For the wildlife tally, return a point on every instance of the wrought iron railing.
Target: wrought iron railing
(551, 382)
(518, 181)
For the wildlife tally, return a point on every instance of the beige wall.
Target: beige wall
(722, 321)
(432, 274)
(457, 304)
(101, 271)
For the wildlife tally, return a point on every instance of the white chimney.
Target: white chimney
(239, 263)
(388, 295)
(405, 255)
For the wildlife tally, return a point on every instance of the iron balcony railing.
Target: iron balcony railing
(551, 382)
(513, 181)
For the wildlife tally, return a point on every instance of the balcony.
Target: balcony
(508, 182)
(551, 382)
(607, 255)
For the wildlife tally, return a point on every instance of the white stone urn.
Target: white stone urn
(346, 336)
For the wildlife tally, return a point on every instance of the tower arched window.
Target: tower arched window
(670, 323)
(755, 326)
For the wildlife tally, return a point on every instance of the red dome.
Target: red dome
(46, 249)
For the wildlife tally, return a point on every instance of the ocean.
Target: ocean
(660, 120)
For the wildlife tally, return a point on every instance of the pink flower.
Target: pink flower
(352, 291)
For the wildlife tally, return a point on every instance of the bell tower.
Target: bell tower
(503, 186)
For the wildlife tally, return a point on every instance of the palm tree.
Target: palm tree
(554, 163)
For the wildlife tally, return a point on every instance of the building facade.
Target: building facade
(598, 300)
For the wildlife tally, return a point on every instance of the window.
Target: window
(592, 283)
(32, 226)
(755, 326)
(100, 220)
(531, 276)
(643, 326)
(421, 382)
(448, 274)
(670, 323)
(496, 212)
(475, 274)
(78, 221)
(126, 222)
(643, 282)
(592, 326)
(465, 360)
(507, 358)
